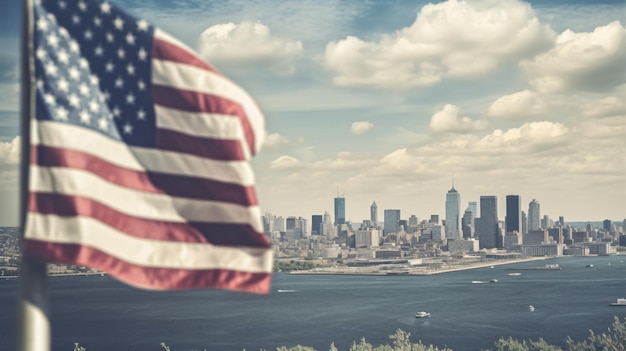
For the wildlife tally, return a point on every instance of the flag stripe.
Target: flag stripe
(216, 149)
(167, 48)
(138, 158)
(209, 125)
(149, 277)
(175, 185)
(140, 204)
(193, 101)
(147, 252)
(219, 234)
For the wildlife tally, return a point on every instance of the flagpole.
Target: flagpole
(33, 326)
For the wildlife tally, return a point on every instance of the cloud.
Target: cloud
(581, 61)
(274, 140)
(447, 120)
(10, 152)
(361, 127)
(249, 44)
(285, 162)
(529, 136)
(448, 39)
(608, 106)
(518, 105)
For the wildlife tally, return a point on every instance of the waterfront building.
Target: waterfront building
(316, 224)
(556, 234)
(453, 214)
(463, 246)
(340, 210)
(535, 237)
(547, 250)
(392, 221)
(374, 214)
(488, 232)
(534, 213)
(367, 238)
(513, 219)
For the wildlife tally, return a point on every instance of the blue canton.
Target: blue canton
(93, 68)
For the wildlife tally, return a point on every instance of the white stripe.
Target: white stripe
(141, 204)
(208, 125)
(145, 252)
(67, 136)
(188, 77)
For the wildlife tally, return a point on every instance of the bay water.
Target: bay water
(315, 310)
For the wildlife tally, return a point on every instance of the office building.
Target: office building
(374, 214)
(534, 215)
(513, 219)
(488, 232)
(524, 223)
(340, 210)
(316, 224)
(453, 214)
(467, 223)
(392, 221)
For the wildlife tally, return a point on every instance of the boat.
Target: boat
(493, 281)
(422, 314)
(515, 274)
(531, 308)
(589, 266)
(477, 282)
(620, 302)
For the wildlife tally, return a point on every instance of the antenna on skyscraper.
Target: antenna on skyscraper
(452, 180)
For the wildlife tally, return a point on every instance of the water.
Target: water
(103, 314)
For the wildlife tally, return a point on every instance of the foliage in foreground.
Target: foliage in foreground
(614, 339)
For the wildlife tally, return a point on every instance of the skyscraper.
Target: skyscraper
(374, 214)
(473, 207)
(340, 210)
(513, 219)
(488, 231)
(534, 215)
(468, 223)
(524, 223)
(392, 221)
(316, 223)
(453, 214)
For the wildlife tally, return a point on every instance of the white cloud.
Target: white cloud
(530, 136)
(448, 39)
(361, 127)
(447, 120)
(10, 152)
(581, 61)
(518, 105)
(249, 44)
(284, 162)
(608, 106)
(274, 140)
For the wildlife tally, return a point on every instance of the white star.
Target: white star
(62, 4)
(118, 23)
(130, 69)
(64, 32)
(130, 39)
(63, 56)
(99, 50)
(49, 99)
(51, 69)
(51, 18)
(39, 84)
(97, 21)
(74, 73)
(85, 117)
(61, 113)
(94, 80)
(130, 99)
(128, 128)
(103, 123)
(116, 112)
(141, 114)
(109, 67)
(110, 37)
(41, 53)
(121, 53)
(119, 82)
(105, 7)
(142, 25)
(105, 95)
(74, 46)
(141, 85)
(42, 24)
(93, 106)
(53, 40)
(84, 89)
(74, 100)
(88, 34)
(82, 6)
(142, 54)
(63, 85)
(75, 19)
(83, 63)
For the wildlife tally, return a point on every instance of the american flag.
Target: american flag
(139, 155)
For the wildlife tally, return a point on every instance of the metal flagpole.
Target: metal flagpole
(33, 326)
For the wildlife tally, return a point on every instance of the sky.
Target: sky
(392, 100)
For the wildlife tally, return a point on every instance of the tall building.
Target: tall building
(488, 231)
(340, 210)
(513, 219)
(534, 215)
(374, 214)
(473, 207)
(316, 224)
(453, 214)
(524, 223)
(467, 223)
(328, 229)
(392, 221)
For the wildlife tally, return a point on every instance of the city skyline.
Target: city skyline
(385, 100)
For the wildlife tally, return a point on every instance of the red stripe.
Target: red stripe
(148, 277)
(153, 182)
(166, 51)
(192, 101)
(217, 149)
(219, 234)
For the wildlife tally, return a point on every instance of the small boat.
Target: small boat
(493, 281)
(285, 291)
(620, 302)
(515, 274)
(422, 314)
(589, 266)
(492, 266)
(477, 282)
(531, 308)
